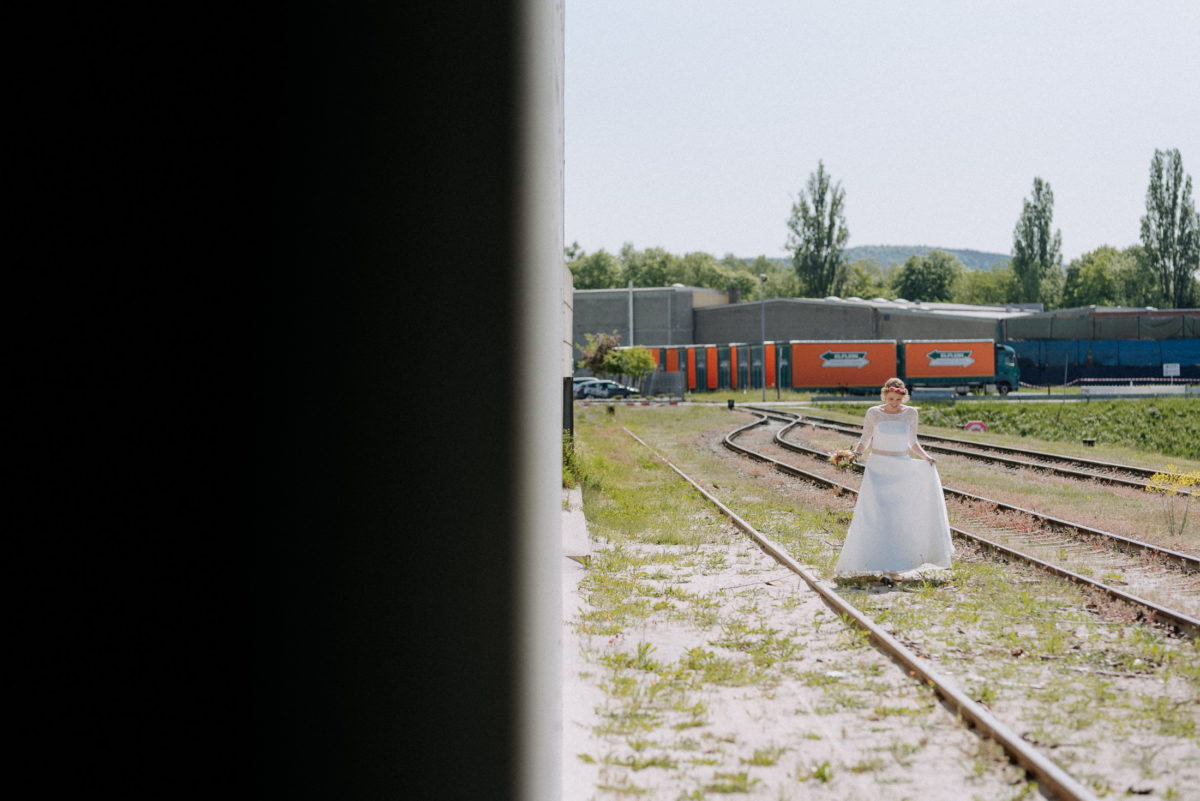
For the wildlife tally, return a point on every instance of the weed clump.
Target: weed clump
(1175, 507)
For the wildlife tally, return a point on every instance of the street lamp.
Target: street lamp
(762, 319)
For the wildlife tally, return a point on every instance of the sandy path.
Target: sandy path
(821, 716)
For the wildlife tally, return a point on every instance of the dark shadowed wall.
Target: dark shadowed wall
(393, 510)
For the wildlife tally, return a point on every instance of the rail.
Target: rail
(1048, 775)
(1180, 622)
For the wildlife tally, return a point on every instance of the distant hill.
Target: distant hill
(889, 255)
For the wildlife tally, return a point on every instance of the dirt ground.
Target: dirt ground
(649, 715)
(832, 718)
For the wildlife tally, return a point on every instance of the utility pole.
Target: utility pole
(630, 342)
(762, 319)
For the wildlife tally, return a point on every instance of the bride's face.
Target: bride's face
(892, 400)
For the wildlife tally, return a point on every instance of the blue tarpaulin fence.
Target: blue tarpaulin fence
(1053, 361)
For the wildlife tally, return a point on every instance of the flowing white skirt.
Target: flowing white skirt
(899, 520)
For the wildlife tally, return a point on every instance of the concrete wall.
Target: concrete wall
(661, 315)
(343, 566)
(536, 483)
(927, 325)
(785, 319)
(818, 319)
(687, 315)
(569, 357)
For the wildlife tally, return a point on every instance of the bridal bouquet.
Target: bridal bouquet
(841, 459)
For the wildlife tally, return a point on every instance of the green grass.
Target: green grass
(1030, 649)
(821, 772)
(1168, 426)
(1057, 665)
(764, 756)
(866, 766)
(731, 783)
(723, 396)
(641, 763)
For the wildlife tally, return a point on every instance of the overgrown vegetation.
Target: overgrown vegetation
(680, 634)
(572, 470)
(603, 355)
(1175, 506)
(1170, 426)
(1073, 676)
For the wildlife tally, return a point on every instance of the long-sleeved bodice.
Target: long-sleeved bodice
(893, 433)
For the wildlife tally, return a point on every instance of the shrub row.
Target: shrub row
(1170, 426)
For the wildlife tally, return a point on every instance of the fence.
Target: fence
(1058, 362)
(673, 384)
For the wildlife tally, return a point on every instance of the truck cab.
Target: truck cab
(1008, 375)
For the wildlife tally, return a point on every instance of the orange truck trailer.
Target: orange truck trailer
(863, 365)
(846, 365)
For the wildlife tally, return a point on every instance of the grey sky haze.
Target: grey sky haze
(692, 125)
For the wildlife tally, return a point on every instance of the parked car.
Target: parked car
(579, 382)
(607, 389)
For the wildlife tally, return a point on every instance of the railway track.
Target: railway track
(1172, 558)
(1056, 464)
(1052, 779)
(1168, 573)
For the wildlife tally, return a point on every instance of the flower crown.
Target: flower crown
(903, 390)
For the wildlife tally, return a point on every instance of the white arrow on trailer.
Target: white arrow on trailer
(949, 358)
(844, 358)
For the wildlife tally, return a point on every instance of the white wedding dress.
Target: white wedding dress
(900, 519)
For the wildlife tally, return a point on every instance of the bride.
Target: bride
(899, 521)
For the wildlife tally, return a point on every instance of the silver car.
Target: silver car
(607, 389)
(580, 382)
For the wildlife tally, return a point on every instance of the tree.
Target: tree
(987, 288)
(600, 270)
(866, 279)
(650, 267)
(1037, 254)
(734, 264)
(1136, 283)
(745, 283)
(1091, 279)
(930, 277)
(701, 269)
(632, 362)
(781, 280)
(818, 235)
(1052, 288)
(779, 285)
(1171, 229)
(596, 349)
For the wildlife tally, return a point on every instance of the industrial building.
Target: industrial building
(1052, 346)
(649, 316)
(681, 315)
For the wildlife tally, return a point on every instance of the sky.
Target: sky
(693, 125)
